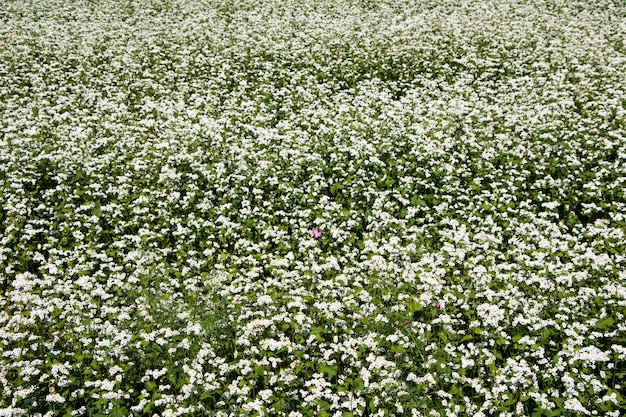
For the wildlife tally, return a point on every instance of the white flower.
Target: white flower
(55, 398)
(263, 300)
(574, 405)
(266, 394)
(490, 314)
(590, 354)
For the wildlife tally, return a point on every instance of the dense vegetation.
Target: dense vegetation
(312, 208)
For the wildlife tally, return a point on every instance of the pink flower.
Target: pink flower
(438, 305)
(317, 233)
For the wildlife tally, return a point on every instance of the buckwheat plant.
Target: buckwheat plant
(312, 208)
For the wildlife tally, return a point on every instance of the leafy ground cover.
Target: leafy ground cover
(312, 208)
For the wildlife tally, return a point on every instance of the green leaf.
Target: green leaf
(414, 306)
(359, 385)
(96, 210)
(259, 370)
(605, 324)
(119, 412)
(317, 332)
(372, 406)
(397, 349)
(466, 338)
(324, 368)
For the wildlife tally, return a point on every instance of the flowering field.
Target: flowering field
(312, 208)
